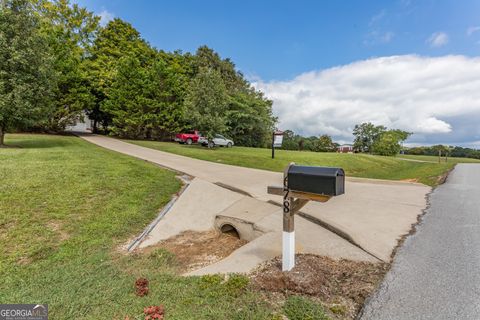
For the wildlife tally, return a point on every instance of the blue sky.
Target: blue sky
(328, 65)
(277, 40)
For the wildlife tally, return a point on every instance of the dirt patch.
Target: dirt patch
(194, 250)
(57, 228)
(409, 180)
(342, 285)
(23, 261)
(443, 178)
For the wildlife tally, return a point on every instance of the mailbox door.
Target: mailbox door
(312, 184)
(340, 185)
(317, 180)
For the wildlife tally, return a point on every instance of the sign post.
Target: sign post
(277, 140)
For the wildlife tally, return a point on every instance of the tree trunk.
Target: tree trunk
(2, 136)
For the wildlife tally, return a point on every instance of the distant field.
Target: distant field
(435, 159)
(357, 165)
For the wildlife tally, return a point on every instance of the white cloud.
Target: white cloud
(376, 18)
(472, 30)
(387, 36)
(376, 36)
(438, 39)
(105, 17)
(436, 98)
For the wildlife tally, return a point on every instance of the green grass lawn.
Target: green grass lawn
(66, 206)
(357, 165)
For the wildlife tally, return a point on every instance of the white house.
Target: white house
(83, 124)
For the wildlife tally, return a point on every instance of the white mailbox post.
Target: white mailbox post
(310, 184)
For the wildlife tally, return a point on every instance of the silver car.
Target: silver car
(218, 140)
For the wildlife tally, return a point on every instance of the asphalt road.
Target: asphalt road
(436, 273)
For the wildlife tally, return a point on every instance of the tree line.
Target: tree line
(451, 151)
(368, 138)
(322, 143)
(57, 63)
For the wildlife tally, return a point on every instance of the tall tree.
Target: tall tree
(248, 113)
(206, 103)
(207, 58)
(143, 99)
(118, 39)
(324, 143)
(26, 76)
(249, 118)
(70, 31)
(128, 100)
(174, 76)
(365, 135)
(388, 143)
(289, 140)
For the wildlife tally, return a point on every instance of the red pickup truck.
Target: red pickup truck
(188, 138)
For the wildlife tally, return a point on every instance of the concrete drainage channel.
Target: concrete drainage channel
(237, 227)
(186, 179)
(204, 206)
(330, 228)
(242, 229)
(229, 229)
(251, 233)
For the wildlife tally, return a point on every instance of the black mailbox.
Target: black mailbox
(318, 180)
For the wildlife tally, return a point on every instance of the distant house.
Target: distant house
(82, 124)
(345, 148)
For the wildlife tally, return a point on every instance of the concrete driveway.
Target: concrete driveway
(373, 214)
